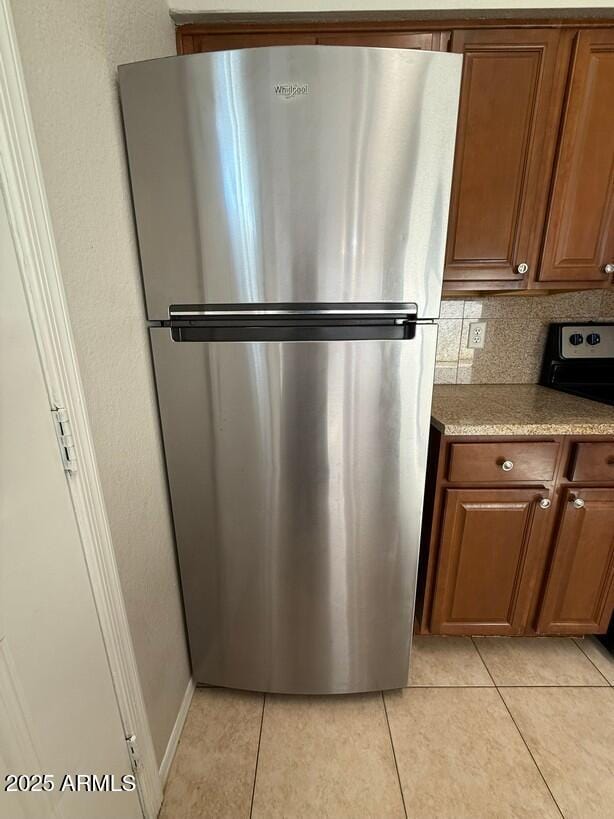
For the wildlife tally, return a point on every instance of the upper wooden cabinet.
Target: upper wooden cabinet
(425, 40)
(579, 593)
(504, 147)
(579, 235)
(532, 202)
(193, 43)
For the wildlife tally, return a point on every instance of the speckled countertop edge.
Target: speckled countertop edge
(516, 410)
(524, 429)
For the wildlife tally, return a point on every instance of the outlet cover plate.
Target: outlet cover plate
(477, 335)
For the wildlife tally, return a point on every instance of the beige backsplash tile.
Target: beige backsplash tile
(515, 334)
(512, 353)
(452, 308)
(448, 339)
(497, 307)
(584, 304)
(463, 373)
(446, 373)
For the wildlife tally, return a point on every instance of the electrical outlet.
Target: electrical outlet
(477, 335)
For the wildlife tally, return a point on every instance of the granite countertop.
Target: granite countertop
(516, 409)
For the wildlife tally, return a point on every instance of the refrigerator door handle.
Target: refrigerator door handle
(301, 322)
(240, 312)
(293, 329)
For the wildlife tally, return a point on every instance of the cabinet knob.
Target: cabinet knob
(507, 466)
(577, 502)
(545, 503)
(609, 268)
(522, 268)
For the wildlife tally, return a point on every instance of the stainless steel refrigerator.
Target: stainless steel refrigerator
(291, 206)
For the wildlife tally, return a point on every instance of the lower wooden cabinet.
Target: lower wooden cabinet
(489, 558)
(532, 553)
(579, 592)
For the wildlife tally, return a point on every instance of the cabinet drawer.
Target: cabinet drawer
(593, 462)
(495, 462)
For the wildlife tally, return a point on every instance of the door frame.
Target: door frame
(22, 185)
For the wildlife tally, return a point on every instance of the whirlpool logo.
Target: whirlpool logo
(291, 90)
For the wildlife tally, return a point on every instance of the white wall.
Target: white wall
(252, 6)
(70, 52)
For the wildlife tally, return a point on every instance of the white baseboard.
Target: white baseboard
(173, 740)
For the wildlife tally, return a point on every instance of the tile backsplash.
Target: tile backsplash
(515, 334)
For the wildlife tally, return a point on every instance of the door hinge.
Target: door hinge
(133, 753)
(65, 440)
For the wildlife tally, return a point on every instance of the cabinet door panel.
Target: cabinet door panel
(196, 43)
(504, 147)
(579, 238)
(490, 547)
(428, 40)
(579, 593)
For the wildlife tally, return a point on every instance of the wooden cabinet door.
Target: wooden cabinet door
(579, 238)
(491, 549)
(427, 40)
(505, 142)
(194, 43)
(191, 42)
(579, 593)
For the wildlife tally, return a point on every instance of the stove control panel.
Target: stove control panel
(587, 341)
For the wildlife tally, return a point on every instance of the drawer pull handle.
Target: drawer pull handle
(507, 466)
(545, 503)
(577, 502)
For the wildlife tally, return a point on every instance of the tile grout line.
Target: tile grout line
(584, 654)
(520, 734)
(251, 804)
(394, 755)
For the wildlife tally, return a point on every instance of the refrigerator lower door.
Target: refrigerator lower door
(296, 473)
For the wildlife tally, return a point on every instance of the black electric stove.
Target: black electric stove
(579, 359)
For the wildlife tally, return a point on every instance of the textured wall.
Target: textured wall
(70, 51)
(515, 334)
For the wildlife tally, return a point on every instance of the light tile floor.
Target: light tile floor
(488, 728)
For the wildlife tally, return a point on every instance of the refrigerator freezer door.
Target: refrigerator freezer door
(296, 473)
(292, 174)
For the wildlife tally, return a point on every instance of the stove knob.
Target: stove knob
(576, 338)
(593, 338)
